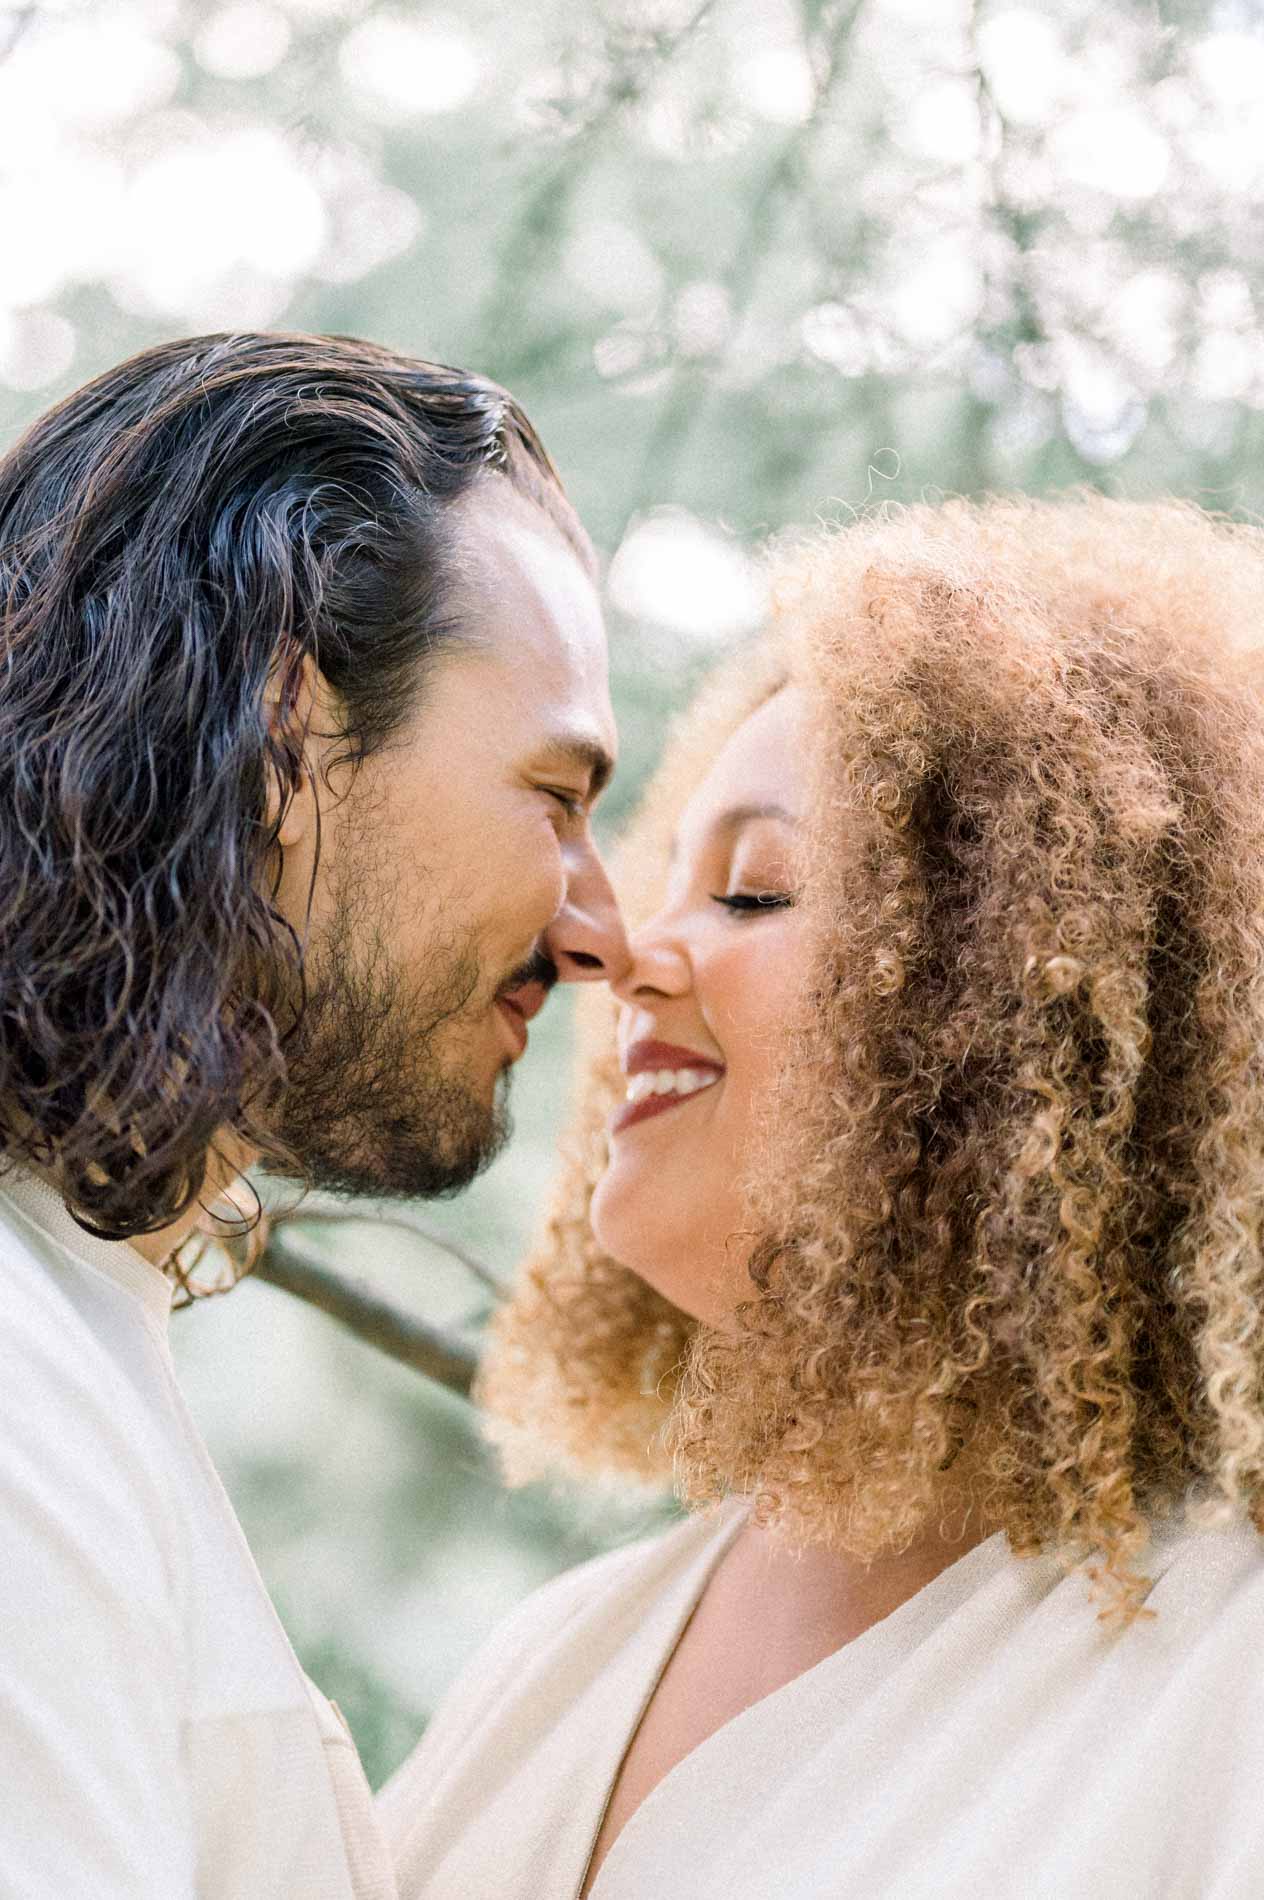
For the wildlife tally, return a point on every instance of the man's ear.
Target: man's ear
(291, 704)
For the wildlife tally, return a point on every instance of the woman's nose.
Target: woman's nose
(657, 964)
(586, 940)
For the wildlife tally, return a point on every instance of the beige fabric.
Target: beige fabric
(157, 1737)
(988, 1740)
(368, 1860)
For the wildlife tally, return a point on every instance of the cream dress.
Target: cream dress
(989, 1739)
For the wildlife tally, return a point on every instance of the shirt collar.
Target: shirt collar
(40, 1206)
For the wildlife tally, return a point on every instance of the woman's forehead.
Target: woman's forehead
(761, 767)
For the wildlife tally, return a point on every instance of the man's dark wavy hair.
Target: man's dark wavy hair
(176, 537)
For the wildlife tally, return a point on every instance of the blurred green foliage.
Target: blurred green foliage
(748, 263)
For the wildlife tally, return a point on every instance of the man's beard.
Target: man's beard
(369, 1107)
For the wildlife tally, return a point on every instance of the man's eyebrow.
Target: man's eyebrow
(735, 816)
(586, 755)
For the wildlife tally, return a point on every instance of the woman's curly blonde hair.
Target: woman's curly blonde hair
(1009, 1195)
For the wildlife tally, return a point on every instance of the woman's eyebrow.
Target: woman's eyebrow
(735, 816)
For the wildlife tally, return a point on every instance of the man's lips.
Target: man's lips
(517, 1007)
(669, 1075)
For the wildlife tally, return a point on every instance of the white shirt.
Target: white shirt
(158, 1739)
(989, 1740)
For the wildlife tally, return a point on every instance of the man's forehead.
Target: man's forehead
(524, 594)
(529, 610)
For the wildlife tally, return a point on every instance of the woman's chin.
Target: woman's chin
(625, 1230)
(615, 1224)
(628, 1225)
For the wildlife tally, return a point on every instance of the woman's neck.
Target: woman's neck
(802, 1605)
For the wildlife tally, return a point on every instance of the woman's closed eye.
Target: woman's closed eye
(748, 902)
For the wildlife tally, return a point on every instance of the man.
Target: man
(303, 711)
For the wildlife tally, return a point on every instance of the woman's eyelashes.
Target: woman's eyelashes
(752, 902)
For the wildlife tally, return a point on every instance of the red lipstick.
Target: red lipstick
(696, 1071)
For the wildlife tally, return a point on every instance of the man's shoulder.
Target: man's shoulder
(618, 1582)
(62, 1324)
(95, 1666)
(83, 1436)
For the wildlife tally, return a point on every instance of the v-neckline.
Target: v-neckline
(699, 1573)
(885, 1633)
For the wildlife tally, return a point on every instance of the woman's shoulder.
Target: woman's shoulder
(632, 1572)
(619, 1584)
(553, 1604)
(1208, 1572)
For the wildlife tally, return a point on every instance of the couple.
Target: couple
(913, 1216)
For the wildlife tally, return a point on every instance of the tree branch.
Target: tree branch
(448, 1361)
(335, 1217)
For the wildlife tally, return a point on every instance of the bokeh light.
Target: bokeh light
(677, 573)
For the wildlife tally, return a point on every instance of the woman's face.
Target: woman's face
(702, 1024)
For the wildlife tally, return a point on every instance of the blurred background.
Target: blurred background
(747, 263)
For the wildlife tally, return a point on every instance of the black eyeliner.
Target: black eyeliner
(768, 900)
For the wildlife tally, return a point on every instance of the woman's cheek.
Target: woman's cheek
(759, 994)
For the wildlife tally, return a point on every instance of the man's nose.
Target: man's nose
(586, 940)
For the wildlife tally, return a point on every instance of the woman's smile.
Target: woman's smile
(662, 1075)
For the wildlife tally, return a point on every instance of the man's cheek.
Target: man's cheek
(542, 879)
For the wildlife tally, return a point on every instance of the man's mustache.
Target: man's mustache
(538, 968)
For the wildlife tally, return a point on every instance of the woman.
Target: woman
(924, 1239)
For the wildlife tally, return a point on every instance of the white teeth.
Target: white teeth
(669, 1082)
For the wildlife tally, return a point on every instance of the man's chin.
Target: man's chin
(406, 1159)
(392, 1095)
